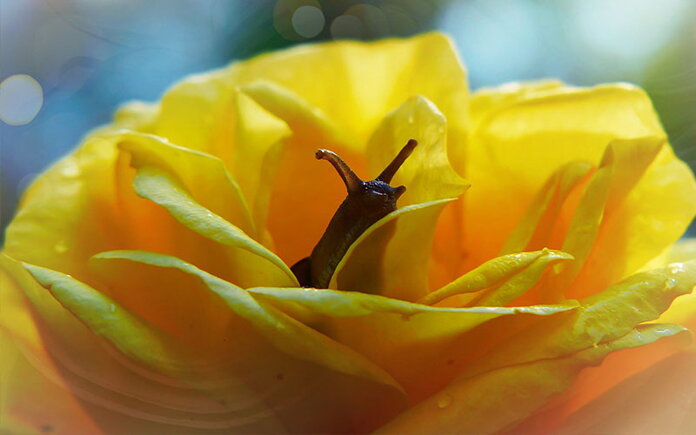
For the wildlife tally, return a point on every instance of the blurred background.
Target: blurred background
(65, 65)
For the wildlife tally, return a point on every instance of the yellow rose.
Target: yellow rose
(146, 285)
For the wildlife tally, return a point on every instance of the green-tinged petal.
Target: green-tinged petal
(509, 276)
(623, 164)
(427, 173)
(85, 204)
(602, 317)
(653, 216)
(105, 318)
(203, 175)
(282, 331)
(74, 379)
(428, 176)
(338, 304)
(536, 227)
(391, 257)
(71, 378)
(497, 399)
(439, 336)
(250, 263)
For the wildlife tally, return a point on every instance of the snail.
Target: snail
(366, 203)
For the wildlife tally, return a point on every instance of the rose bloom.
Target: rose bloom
(146, 285)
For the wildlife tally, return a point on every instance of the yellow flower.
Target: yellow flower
(146, 285)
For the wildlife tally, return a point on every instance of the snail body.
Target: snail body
(366, 203)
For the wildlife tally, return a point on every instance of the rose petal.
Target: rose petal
(661, 399)
(521, 135)
(623, 163)
(77, 209)
(593, 382)
(427, 173)
(536, 227)
(255, 155)
(367, 80)
(398, 242)
(203, 175)
(652, 216)
(474, 404)
(402, 241)
(508, 277)
(304, 193)
(442, 338)
(282, 331)
(604, 316)
(249, 263)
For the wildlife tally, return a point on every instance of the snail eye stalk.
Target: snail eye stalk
(366, 203)
(399, 160)
(352, 182)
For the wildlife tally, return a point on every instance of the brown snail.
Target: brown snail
(366, 203)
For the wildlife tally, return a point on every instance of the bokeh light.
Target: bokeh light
(308, 21)
(21, 98)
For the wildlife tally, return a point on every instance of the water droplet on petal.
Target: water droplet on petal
(444, 401)
(671, 283)
(676, 268)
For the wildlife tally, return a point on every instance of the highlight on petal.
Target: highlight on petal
(508, 276)
(474, 404)
(304, 119)
(192, 114)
